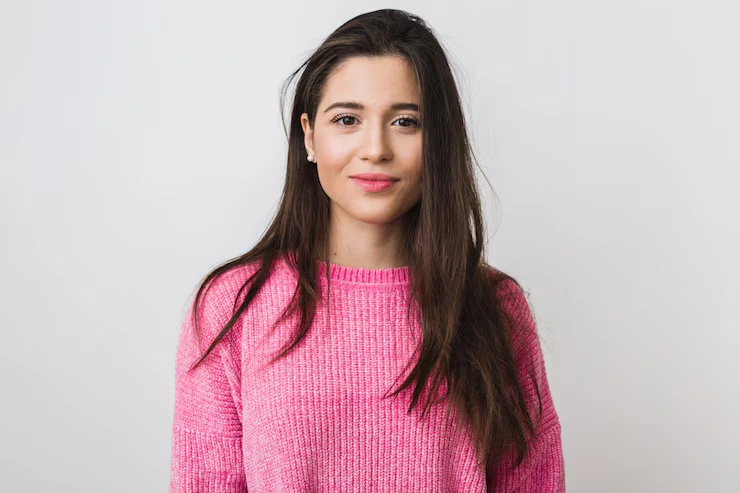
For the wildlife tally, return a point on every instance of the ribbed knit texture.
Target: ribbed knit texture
(316, 421)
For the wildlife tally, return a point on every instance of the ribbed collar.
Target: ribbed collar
(398, 275)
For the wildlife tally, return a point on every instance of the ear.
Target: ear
(307, 135)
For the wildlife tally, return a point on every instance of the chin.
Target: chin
(379, 217)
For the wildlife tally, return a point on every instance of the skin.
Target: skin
(367, 228)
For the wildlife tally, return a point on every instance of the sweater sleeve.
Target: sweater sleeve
(206, 453)
(542, 471)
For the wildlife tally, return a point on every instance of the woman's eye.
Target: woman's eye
(343, 117)
(412, 121)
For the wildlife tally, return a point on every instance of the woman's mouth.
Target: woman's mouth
(373, 185)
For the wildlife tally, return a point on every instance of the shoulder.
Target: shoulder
(508, 292)
(217, 296)
(513, 300)
(513, 305)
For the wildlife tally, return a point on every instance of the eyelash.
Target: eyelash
(345, 115)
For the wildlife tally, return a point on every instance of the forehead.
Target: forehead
(377, 81)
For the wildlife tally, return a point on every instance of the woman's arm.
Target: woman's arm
(542, 471)
(207, 427)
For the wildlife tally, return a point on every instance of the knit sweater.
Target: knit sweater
(316, 420)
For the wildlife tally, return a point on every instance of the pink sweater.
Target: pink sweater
(315, 421)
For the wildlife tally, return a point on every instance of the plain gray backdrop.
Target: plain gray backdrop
(141, 145)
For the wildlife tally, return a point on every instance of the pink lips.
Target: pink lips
(373, 182)
(373, 185)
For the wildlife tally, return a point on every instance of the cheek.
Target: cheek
(414, 168)
(414, 193)
(412, 157)
(418, 169)
(333, 153)
(414, 189)
(331, 179)
(332, 157)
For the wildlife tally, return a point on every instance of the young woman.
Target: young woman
(371, 273)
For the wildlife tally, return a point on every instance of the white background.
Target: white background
(141, 145)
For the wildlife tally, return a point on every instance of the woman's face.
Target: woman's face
(368, 122)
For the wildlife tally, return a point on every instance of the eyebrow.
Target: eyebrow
(359, 106)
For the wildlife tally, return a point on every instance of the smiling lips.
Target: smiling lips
(374, 182)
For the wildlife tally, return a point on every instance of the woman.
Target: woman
(372, 265)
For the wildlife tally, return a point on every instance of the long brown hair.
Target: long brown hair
(467, 339)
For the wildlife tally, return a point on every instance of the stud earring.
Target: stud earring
(310, 157)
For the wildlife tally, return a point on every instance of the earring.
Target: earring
(310, 157)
